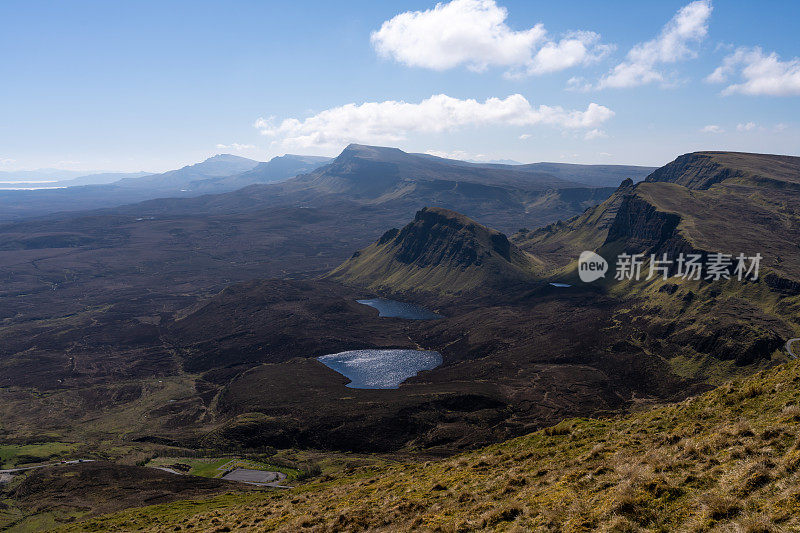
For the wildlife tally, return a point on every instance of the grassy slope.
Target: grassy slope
(728, 460)
(753, 210)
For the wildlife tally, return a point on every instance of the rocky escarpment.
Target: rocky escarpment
(700, 203)
(440, 251)
(695, 171)
(702, 170)
(641, 227)
(706, 321)
(439, 236)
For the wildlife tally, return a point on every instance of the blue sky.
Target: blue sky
(156, 85)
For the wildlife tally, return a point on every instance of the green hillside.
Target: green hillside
(706, 201)
(728, 460)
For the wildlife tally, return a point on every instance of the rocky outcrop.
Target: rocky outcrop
(439, 251)
(641, 226)
(439, 236)
(702, 170)
(782, 285)
(695, 171)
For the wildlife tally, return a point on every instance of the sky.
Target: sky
(128, 86)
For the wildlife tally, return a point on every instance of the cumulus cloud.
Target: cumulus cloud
(579, 84)
(595, 134)
(712, 128)
(460, 155)
(759, 74)
(673, 44)
(391, 121)
(473, 33)
(235, 147)
(578, 48)
(525, 136)
(7, 161)
(746, 126)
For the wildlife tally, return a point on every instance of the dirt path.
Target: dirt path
(789, 347)
(26, 468)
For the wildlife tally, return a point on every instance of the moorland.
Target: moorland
(190, 328)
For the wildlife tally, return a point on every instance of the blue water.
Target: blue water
(380, 369)
(395, 309)
(561, 285)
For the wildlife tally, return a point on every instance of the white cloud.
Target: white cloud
(236, 147)
(7, 161)
(780, 126)
(579, 48)
(688, 26)
(595, 134)
(391, 121)
(461, 155)
(525, 136)
(579, 84)
(746, 127)
(473, 33)
(760, 74)
(712, 128)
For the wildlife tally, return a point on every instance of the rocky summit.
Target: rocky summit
(441, 251)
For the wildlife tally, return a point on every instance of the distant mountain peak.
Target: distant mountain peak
(365, 151)
(228, 158)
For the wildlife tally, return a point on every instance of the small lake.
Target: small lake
(394, 309)
(380, 369)
(561, 285)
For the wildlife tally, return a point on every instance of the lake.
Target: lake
(380, 369)
(394, 309)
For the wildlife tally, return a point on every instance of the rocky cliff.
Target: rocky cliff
(441, 251)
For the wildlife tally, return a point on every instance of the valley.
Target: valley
(457, 266)
(198, 327)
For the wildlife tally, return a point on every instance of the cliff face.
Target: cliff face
(440, 236)
(700, 203)
(695, 171)
(702, 170)
(441, 251)
(641, 226)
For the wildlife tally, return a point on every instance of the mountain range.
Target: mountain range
(374, 174)
(214, 175)
(195, 324)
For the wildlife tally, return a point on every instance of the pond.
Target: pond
(380, 369)
(394, 309)
(561, 285)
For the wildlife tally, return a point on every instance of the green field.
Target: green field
(216, 467)
(13, 455)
